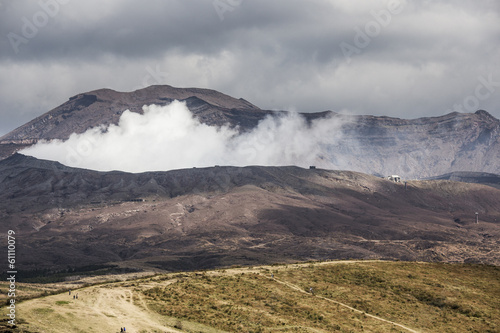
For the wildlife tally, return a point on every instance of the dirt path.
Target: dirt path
(297, 288)
(97, 309)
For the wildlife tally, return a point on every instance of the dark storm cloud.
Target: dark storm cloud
(425, 58)
(132, 29)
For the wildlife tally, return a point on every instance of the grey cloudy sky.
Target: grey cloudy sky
(401, 58)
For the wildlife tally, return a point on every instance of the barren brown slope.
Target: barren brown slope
(200, 218)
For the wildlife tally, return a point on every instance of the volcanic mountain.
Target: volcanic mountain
(207, 217)
(219, 216)
(414, 148)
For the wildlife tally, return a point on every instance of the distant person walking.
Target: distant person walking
(311, 290)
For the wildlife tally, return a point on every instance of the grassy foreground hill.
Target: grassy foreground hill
(347, 296)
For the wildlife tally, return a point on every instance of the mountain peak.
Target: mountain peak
(485, 114)
(167, 92)
(105, 106)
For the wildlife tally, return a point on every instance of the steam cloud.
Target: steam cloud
(170, 137)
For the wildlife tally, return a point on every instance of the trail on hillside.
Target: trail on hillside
(98, 309)
(108, 307)
(297, 288)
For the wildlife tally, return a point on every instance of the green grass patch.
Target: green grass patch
(43, 311)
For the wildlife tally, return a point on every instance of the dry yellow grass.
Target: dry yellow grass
(366, 296)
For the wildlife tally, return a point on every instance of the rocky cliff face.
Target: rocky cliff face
(421, 147)
(413, 149)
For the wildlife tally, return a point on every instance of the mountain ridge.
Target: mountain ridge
(379, 145)
(219, 216)
(486, 178)
(105, 107)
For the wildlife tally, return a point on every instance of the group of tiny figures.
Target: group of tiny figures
(74, 296)
(122, 329)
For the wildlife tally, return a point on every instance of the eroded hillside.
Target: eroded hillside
(208, 217)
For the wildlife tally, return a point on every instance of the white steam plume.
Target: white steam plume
(170, 137)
